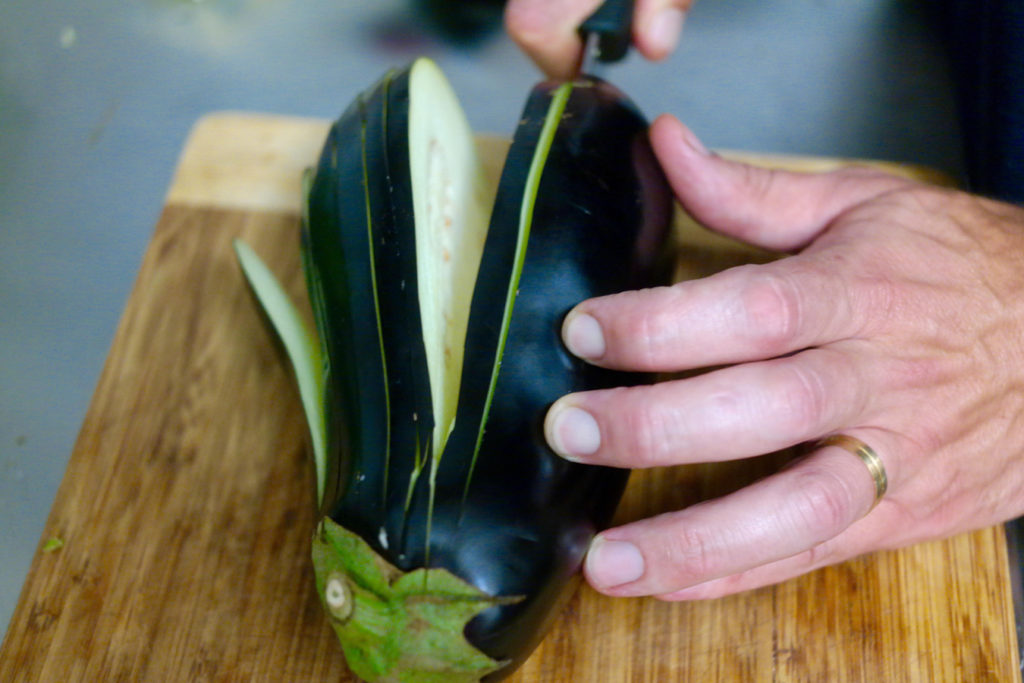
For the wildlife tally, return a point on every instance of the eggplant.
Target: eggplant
(449, 532)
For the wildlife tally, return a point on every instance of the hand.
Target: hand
(899, 320)
(546, 29)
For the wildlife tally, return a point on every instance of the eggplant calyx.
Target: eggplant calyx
(395, 625)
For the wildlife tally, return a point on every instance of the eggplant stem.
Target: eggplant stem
(395, 625)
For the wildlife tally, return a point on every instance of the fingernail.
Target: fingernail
(583, 336)
(572, 432)
(613, 563)
(664, 28)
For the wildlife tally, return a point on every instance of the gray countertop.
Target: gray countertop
(97, 96)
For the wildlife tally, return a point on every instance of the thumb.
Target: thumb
(774, 209)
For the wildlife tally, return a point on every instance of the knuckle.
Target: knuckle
(823, 504)
(885, 298)
(919, 372)
(804, 399)
(771, 306)
(690, 556)
(526, 22)
(647, 335)
(758, 182)
(932, 199)
(818, 555)
(647, 434)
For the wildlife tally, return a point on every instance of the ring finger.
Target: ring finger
(782, 516)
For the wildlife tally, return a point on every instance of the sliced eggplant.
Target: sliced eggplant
(450, 532)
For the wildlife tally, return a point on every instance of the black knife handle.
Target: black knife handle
(613, 23)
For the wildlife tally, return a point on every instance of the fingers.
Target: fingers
(734, 412)
(822, 295)
(547, 29)
(787, 515)
(770, 208)
(658, 25)
(856, 540)
(745, 313)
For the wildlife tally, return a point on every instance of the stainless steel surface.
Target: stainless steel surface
(589, 64)
(96, 97)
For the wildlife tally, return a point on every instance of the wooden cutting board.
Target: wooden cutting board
(186, 510)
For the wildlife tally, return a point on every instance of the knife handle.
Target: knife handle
(613, 23)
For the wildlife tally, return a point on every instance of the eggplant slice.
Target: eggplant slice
(450, 533)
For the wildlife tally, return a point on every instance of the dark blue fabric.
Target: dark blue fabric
(986, 46)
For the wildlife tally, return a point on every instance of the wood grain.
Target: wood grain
(186, 509)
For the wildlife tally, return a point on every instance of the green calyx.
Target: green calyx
(394, 625)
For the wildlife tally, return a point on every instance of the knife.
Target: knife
(607, 35)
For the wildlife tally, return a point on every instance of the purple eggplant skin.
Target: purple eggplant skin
(506, 514)
(599, 226)
(337, 277)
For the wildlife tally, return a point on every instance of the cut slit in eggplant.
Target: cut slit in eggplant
(451, 209)
(442, 353)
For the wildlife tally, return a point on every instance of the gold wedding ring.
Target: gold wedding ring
(867, 454)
